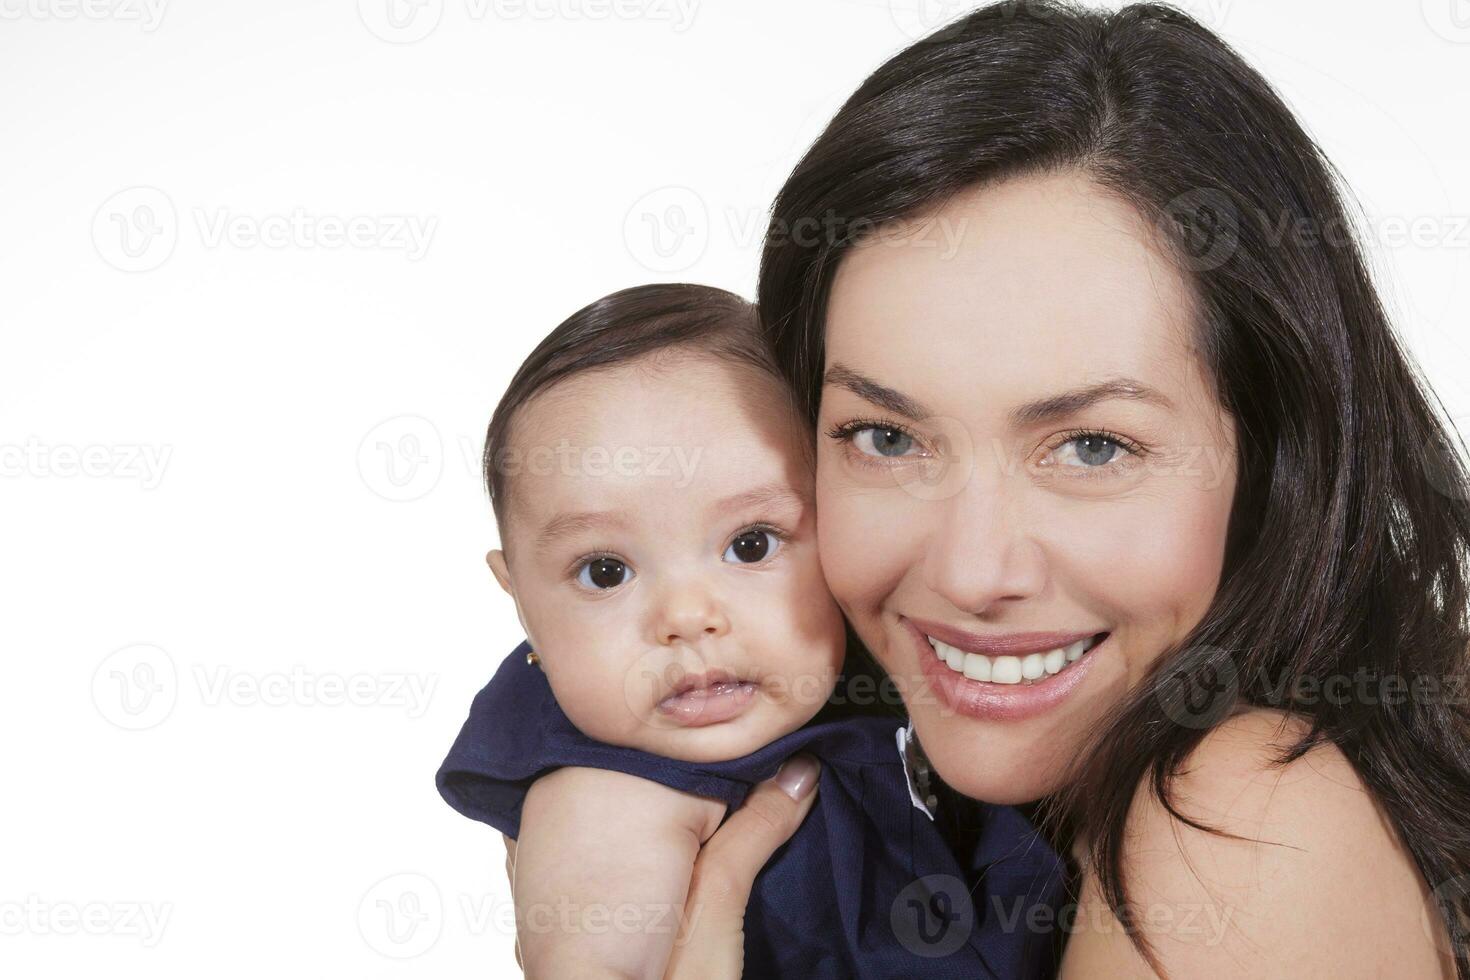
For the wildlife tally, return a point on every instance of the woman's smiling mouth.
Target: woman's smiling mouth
(1003, 677)
(1023, 668)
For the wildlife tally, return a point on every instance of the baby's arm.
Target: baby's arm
(602, 867)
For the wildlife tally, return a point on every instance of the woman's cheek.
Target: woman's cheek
(867, 542)
(1151, 570)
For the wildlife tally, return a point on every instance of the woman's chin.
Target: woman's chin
(985, 767)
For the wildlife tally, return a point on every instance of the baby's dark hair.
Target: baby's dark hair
(622, 327)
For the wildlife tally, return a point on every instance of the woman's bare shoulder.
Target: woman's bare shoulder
(1320, 884)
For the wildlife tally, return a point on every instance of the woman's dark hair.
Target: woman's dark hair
(1347, 545)
(622, 327)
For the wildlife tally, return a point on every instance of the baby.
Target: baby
(652, 482)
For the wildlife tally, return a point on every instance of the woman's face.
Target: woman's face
(1019, 452)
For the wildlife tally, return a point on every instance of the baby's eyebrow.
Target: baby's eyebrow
(765, 495)
(566, 525)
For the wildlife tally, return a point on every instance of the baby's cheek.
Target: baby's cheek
(598, 700)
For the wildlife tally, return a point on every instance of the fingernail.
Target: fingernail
(797, 776)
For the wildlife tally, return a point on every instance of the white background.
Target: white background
(241, 519)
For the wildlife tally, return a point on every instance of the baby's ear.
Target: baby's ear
(496, 560)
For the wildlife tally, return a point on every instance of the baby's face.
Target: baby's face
(662, 553)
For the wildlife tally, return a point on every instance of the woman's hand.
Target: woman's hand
(510, 877)
(711, 942)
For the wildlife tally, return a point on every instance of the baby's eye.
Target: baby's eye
(752, 546)
(603, 573)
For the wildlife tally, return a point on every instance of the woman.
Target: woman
(1091, 358)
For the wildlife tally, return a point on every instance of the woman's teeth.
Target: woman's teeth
(1011, 669)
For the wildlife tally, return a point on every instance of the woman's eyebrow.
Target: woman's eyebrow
(1076, 399)
(842, 376)
(1032, 413)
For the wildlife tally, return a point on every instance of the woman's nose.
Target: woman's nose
(688, 610)
(982, 550)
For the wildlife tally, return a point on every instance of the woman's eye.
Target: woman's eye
(603, 573)
(876, 440)
(752, 546)
(1089, 450)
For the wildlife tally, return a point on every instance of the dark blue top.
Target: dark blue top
(866, 887)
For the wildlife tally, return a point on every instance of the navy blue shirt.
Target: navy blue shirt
(866, 887)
